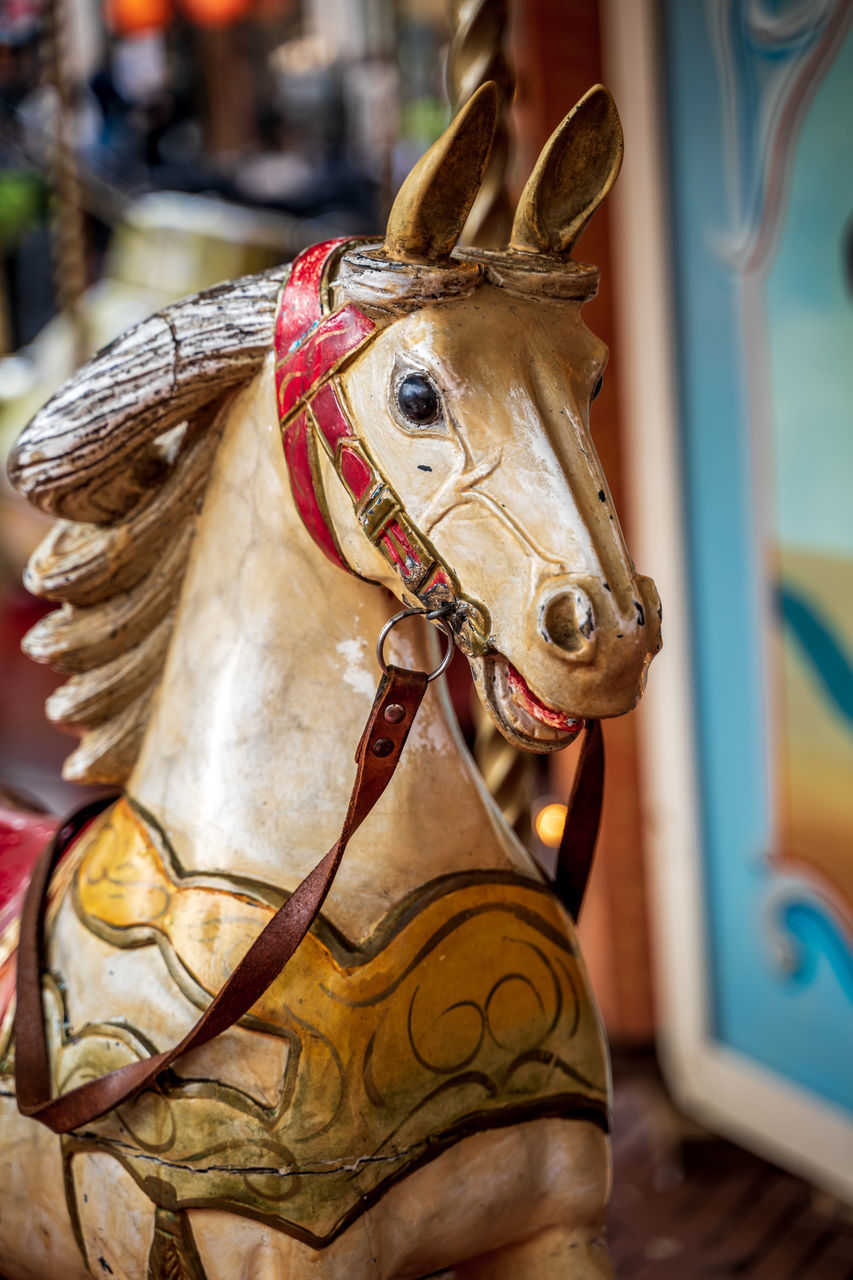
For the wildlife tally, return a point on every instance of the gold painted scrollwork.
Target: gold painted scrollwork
(466, 1008)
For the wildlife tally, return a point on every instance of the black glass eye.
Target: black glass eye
(418, 399)
(596, 391)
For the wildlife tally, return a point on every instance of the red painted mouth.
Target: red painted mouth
(525, 698)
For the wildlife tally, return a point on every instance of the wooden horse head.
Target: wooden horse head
(450, 424)
(434, 404)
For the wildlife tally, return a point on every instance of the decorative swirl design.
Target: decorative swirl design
(770, 61)
(464, 1056)
(466, 1009)
(804, 922)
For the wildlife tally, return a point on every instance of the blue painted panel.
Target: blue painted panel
(762, 190)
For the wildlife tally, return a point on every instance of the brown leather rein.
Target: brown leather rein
(398, 698)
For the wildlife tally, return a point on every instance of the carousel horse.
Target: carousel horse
(423, 1086)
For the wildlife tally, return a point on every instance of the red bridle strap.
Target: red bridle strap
(312, 345)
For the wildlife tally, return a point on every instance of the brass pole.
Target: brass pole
(478, 52)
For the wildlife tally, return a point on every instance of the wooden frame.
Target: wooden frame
(724, 1089)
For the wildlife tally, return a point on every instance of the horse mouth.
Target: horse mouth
(522, 717)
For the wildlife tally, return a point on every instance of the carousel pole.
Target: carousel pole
(479, 52)
(69, 239)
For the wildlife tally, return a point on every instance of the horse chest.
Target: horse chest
(466, 1009)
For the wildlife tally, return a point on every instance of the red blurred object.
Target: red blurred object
(215, 13)
(135, 17)
(31, 748)
(22, 838)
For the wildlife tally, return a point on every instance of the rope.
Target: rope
(69, 238)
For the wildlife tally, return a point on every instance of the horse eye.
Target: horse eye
(596, 391)
(418, 399)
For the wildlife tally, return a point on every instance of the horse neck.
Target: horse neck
(247, 762)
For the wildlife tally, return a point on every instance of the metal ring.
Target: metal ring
(433, 615)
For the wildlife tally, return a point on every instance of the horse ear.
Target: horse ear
(578, 166)
(433, 203)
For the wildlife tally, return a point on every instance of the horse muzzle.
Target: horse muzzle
(593, 644)
(588, 659)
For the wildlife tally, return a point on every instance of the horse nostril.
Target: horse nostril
(566, 620)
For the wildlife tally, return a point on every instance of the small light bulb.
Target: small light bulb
(550, 821)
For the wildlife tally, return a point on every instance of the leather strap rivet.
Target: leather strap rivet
(383, 747)
(394, 713)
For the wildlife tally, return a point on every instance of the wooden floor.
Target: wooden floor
(689, 1206)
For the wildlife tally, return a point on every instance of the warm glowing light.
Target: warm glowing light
(549, 824)
(215, 13)
(135, 17)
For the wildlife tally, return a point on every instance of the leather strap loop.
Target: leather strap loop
(583, 817)
(261, 964)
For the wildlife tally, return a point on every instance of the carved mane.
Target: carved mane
(122, 455)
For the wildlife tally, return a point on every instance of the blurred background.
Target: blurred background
(151, 148)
